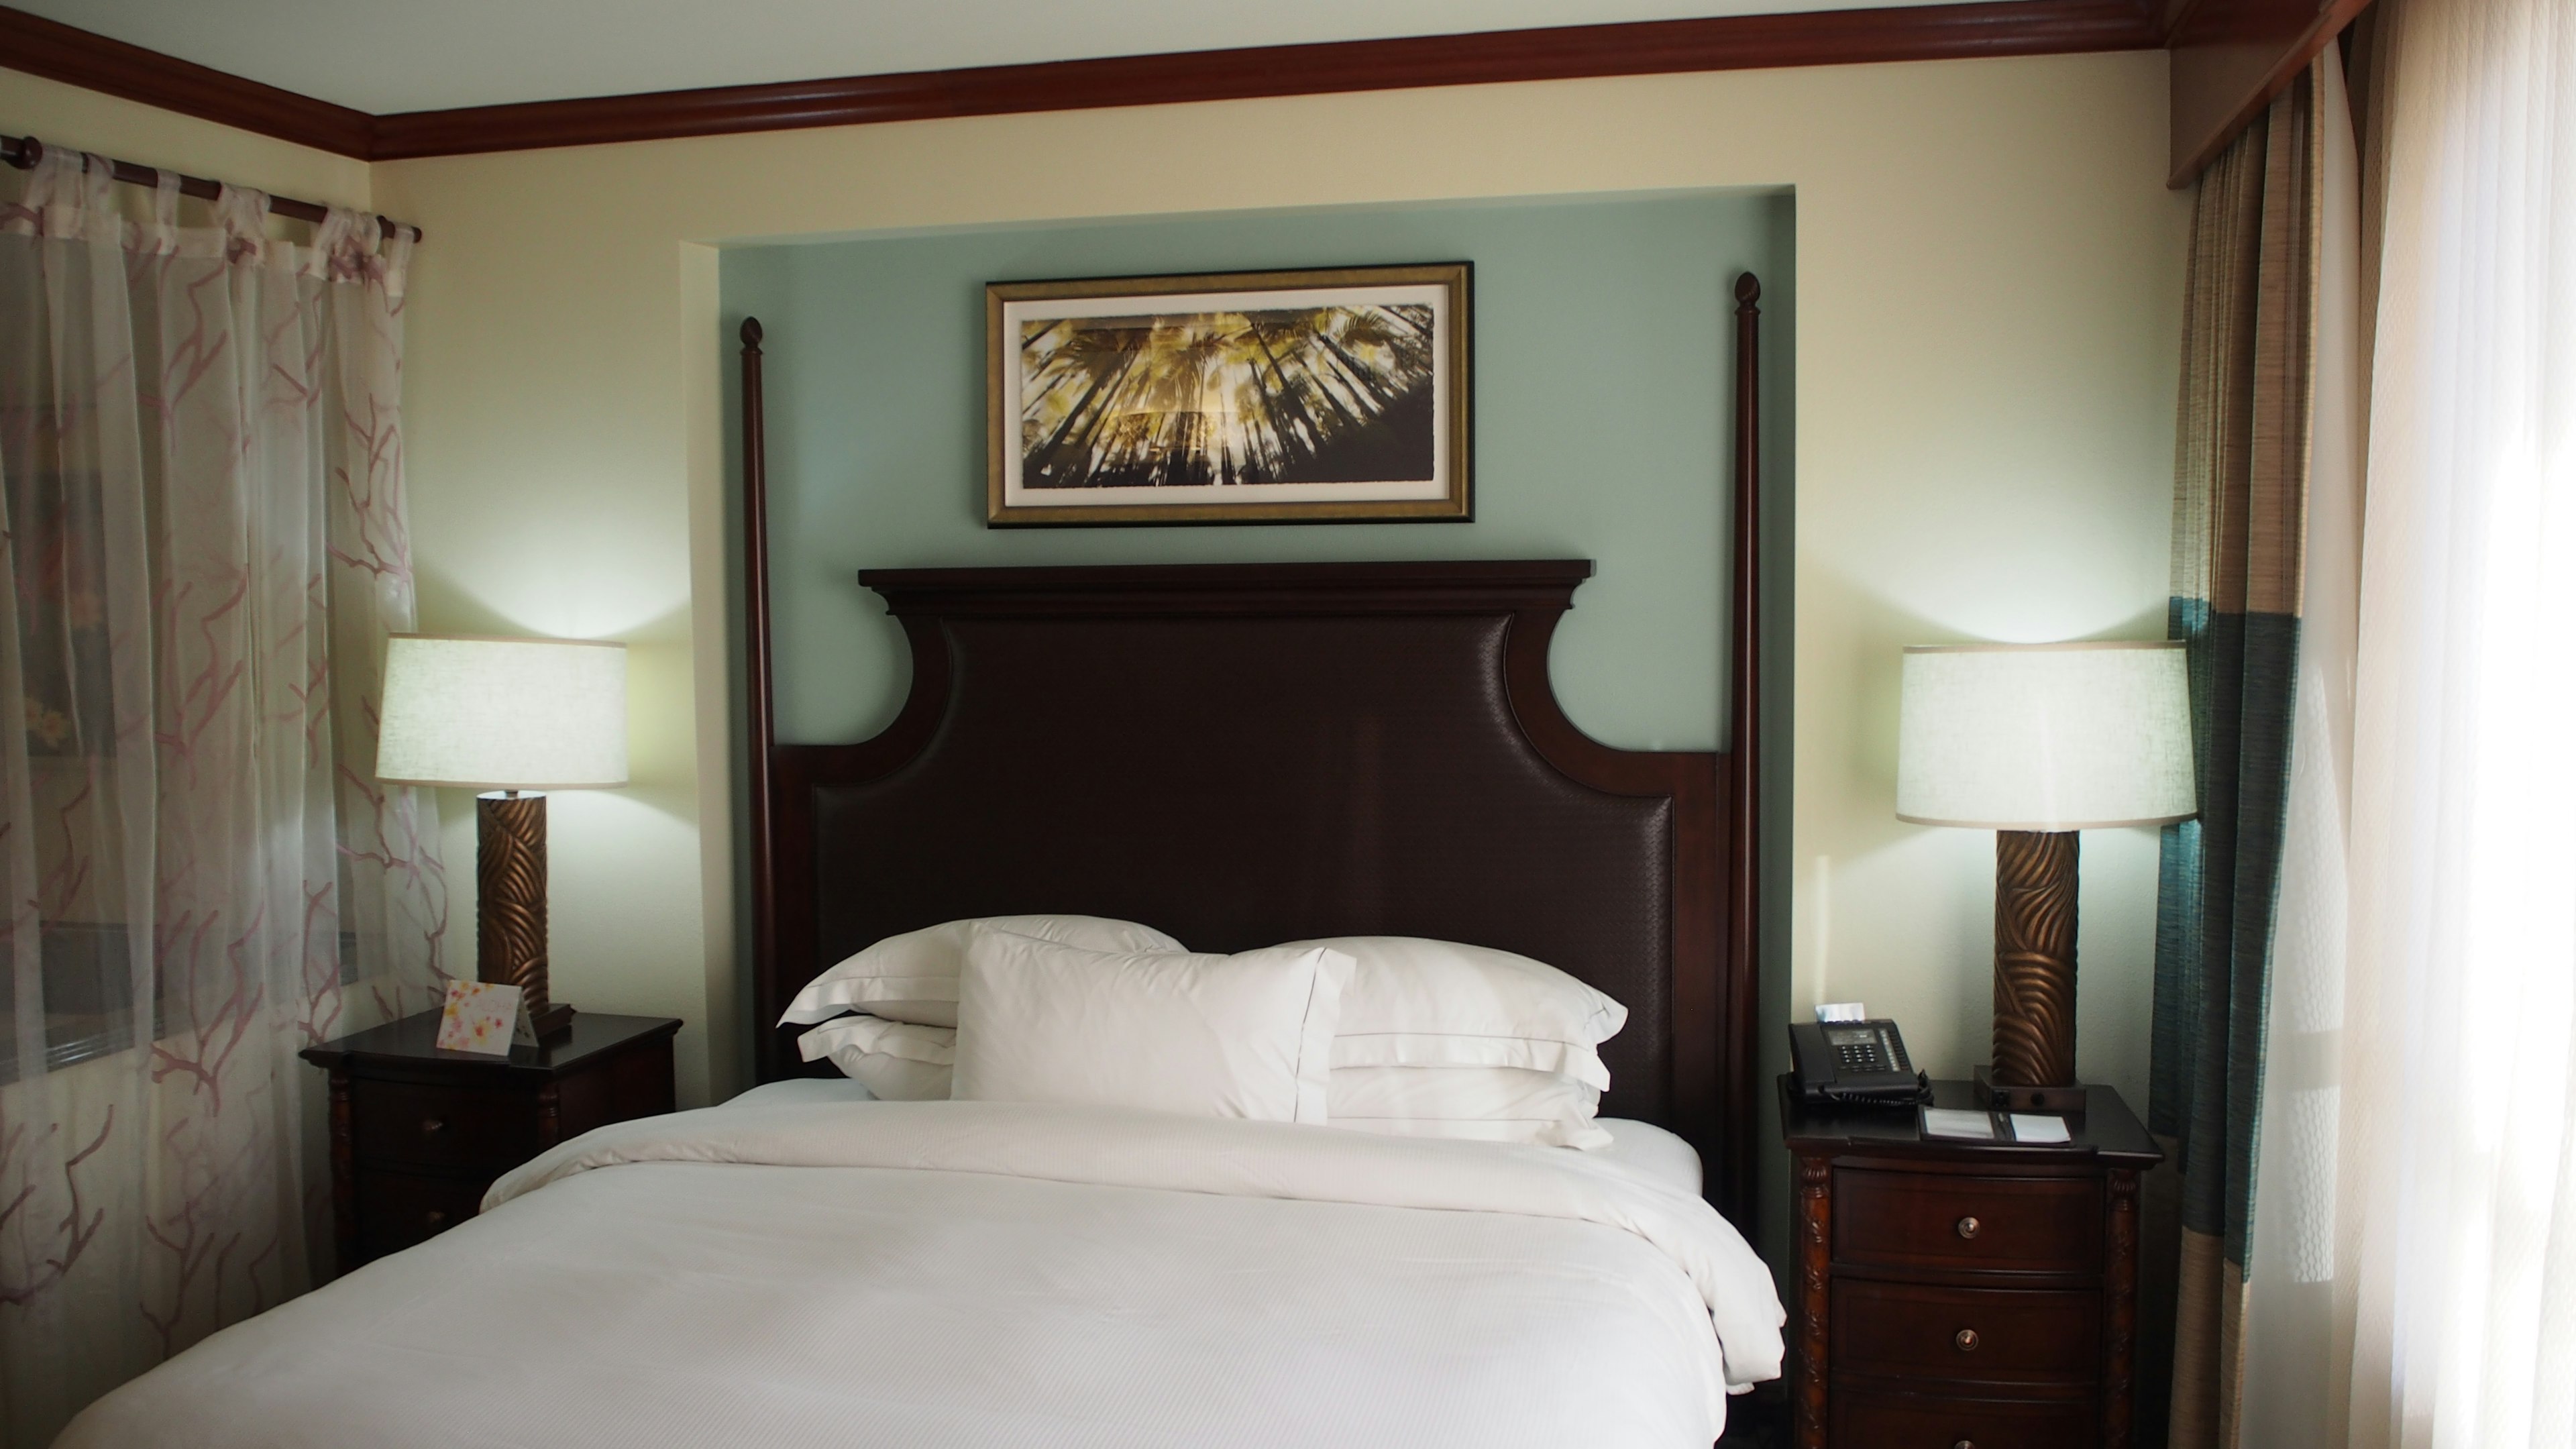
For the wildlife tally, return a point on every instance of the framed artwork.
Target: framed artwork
(1231, 397)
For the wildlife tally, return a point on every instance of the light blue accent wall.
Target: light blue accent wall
(1603, 369)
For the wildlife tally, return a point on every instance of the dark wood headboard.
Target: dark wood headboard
(1247, 754)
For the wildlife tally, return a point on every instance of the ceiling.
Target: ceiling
(386, 56)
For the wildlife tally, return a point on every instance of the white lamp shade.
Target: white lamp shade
(503, 714)
(2045, 736)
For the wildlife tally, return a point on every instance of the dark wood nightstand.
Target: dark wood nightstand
(1947, 1295)
(418, 1134)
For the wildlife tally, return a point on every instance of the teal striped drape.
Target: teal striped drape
(2240, 494)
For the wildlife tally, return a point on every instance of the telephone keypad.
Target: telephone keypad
(1866, 1058)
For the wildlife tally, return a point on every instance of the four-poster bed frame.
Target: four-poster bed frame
(1248, 753)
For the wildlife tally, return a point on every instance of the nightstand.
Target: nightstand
(1948, 1295)
(418, 1134)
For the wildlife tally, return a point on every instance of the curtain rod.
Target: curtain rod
(24, 152)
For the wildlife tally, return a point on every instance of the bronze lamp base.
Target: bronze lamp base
(510, 903)
(2034, 1066)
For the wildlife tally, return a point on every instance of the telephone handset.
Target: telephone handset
(1855, 1063)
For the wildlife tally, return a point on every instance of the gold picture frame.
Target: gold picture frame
(1328, 395)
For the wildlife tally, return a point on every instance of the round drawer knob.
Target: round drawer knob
(434, 1216)
(1969, 1228)
(432, 1126)
(1966, 1339)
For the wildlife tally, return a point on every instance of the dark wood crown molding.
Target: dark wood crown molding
(1745, 42)
(1834, 37)
(56, 51)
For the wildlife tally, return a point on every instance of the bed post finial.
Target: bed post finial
(1748, 290)
(751, 334)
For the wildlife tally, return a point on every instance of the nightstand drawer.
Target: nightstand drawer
(418, 1133)
(398, 1209)
(1858, 1419)
(1947, 1221)
(472, 1128)
(1987, 1335)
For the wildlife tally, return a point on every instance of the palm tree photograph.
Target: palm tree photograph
(1234, 397)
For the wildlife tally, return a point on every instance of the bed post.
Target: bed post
(758, 724)
(1743, 970)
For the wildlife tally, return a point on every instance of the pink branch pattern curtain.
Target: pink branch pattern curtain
(201, 493)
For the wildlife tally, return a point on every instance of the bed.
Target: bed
(1240, 755)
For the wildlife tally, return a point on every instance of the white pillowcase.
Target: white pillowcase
(1248, 1035)
(1420, 1003)
(897, 1061)
(913, 977)
(1484, 1104)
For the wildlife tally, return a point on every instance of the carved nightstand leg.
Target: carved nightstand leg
(344, 1177)
(1813, 1247)
(2120, 1308)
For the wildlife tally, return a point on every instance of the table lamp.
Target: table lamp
(2036, 742)
(516, 718)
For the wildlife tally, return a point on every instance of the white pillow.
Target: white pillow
(1485, 1104)
(913, 977)
(898, 1061)
(1420, 1003)
(907, 1063)
(1210, 1036)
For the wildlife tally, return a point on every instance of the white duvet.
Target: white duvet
(989, 1274)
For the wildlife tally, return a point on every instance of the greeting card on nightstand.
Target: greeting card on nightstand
(486, 1017)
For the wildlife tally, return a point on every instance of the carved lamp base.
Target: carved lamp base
(2034, 1066)
(510, 902)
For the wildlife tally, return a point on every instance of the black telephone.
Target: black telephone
(1855, 1064)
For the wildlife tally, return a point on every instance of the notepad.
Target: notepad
(1950, 1122)
(2029, 1128)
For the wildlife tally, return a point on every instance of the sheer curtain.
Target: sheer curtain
(201, 472)
(2419, 1157)
(2461, 995)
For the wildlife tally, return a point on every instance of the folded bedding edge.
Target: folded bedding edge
(1233, 1158)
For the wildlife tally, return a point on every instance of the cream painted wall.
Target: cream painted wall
(1989, 282)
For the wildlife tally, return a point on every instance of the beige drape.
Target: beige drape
(2240, 493)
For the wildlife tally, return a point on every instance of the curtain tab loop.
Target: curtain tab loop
(164, 241)
(242, 212)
